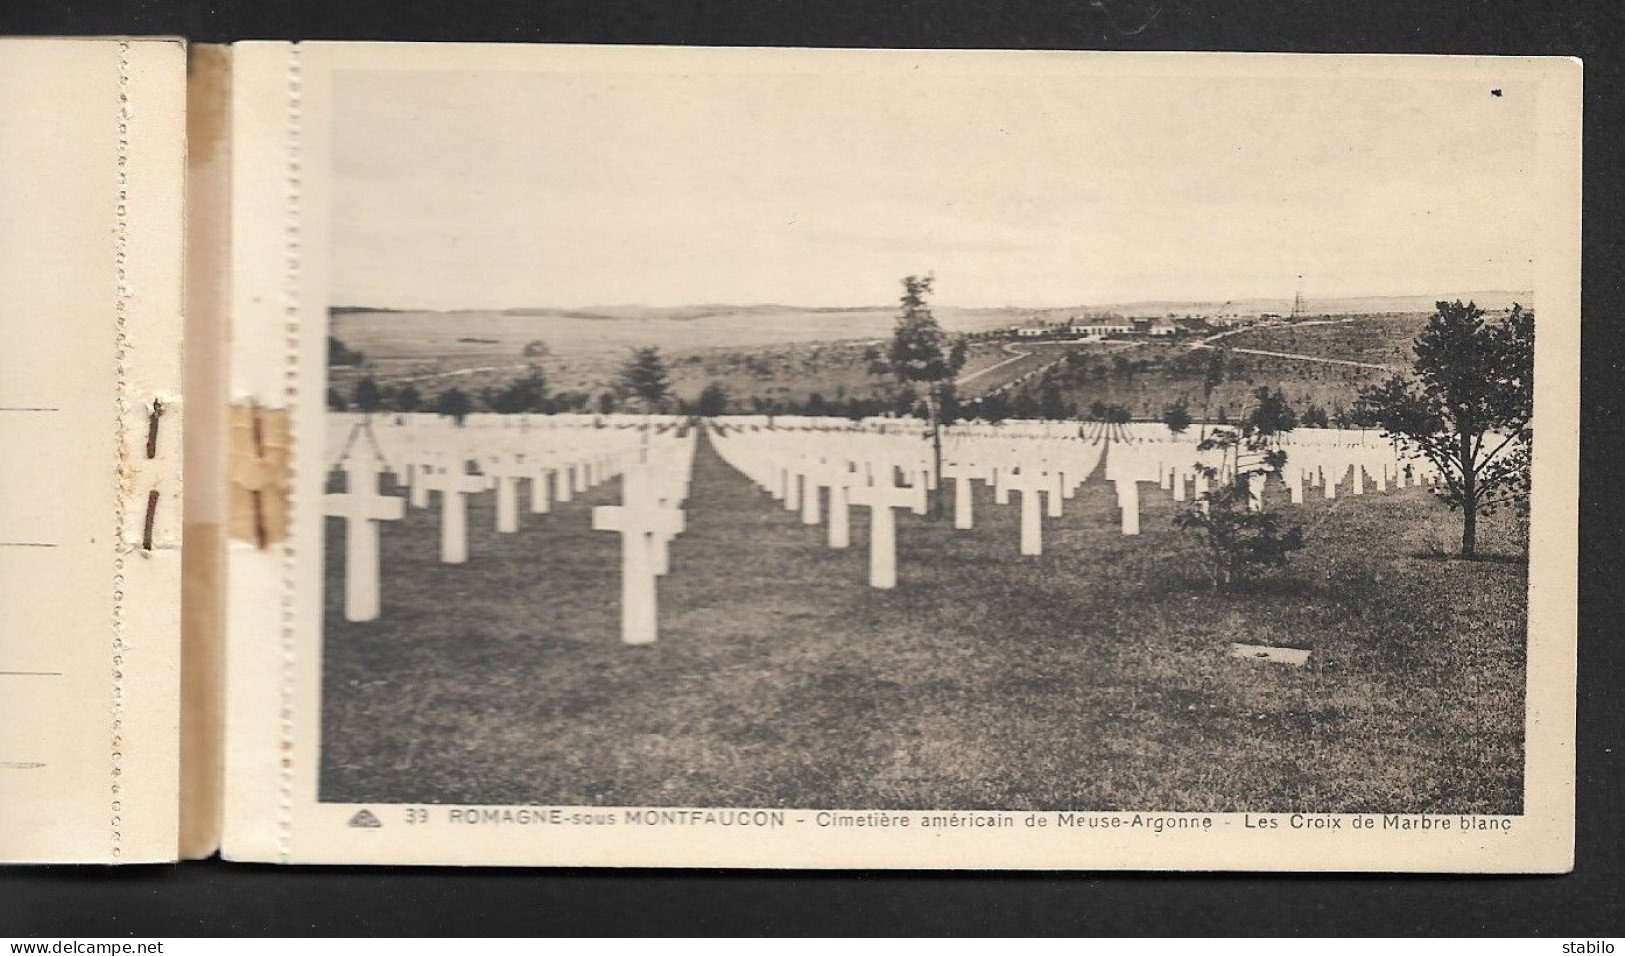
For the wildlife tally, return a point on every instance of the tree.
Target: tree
(1124, 367)
(408, 399)
(340, 354)
(923, 354)
(1212, 378)
(993, 408)
(1237, 532)
(455, 404)
(1315, 417)
(904, 400)
(1271, 415)
(1051, 405)
(1466, 408)
(1177, 417)
(368, 398)
(644, 377)
(527, 394)
(713, 400)
(335, 401)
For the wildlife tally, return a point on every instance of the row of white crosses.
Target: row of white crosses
(559, 456)
(885, 467)
(882, 465)
(1315, 456)
(1042, 462)
(559, 459)
(859, 468)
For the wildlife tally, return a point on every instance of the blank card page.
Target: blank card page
(91, 157)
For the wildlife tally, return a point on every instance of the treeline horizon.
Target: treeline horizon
(526, 396)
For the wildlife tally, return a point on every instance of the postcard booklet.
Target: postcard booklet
(659, 456)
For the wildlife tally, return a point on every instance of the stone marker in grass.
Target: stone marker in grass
(1296, 657)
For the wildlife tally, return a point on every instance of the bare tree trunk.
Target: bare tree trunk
(1469, 499)
(934, 407)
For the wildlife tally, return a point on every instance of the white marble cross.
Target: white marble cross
(1054, 493)
(541, 479)
(836, 475)
(1255, 490)
(1329, 478)
(810, 471)
(564, 482)
(924, 480)
(1178, 478)
(1031, 483)
(639, 519)
(421, 463)
(880, 498)
(362, 508)
(1001, 484)
(506, 471)
(963, 473)
(668, 494)
(454, 485)
(1128, 499)
(792, 487)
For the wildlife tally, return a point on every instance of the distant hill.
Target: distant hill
(1348, 305)
(393, 332)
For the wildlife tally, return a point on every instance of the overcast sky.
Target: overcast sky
(504, 189)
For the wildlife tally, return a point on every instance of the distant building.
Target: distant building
(1099, 327)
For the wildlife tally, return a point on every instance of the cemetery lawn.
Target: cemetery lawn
(1095, 677)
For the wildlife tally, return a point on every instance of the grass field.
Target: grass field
(1377, 339)
(1147, 393)
(1095, 677)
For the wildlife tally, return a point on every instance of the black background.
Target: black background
(204, 898)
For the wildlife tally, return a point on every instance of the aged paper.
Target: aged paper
(818, 458)
(208, 215)
(92, 146)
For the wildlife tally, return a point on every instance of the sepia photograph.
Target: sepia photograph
(904, 440)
